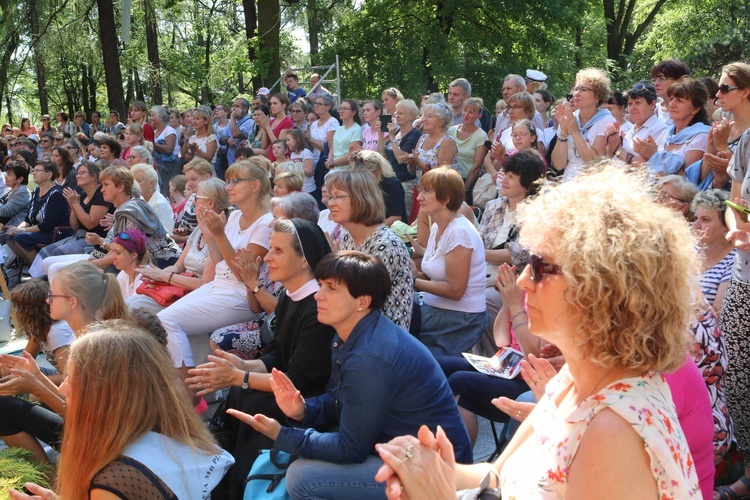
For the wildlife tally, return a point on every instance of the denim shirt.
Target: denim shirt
(384, 383)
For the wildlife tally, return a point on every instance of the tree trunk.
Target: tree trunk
(85, 91)
(313, 26)
(92, 90)
(251, 27)
(41, 80)
(10, 110)
(152, 44)
(110, 55)
(130, 97)
(9, 45)
(268, 25)
(138, 86)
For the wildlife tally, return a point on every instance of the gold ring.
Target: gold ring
(409, 454)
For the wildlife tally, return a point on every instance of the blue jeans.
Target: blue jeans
(308, 479)
(449, 333)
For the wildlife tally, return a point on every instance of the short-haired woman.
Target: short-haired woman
(402, 139)
(362, 409)
(432, 149)
(87, 209)
(617, 312)
(470, 139)
(646, 123)
(393, 191)
(14, 205)
(148, 182)
(47, 211)
(580, 137)
(166, 147)
(356, 202)
(452, 268)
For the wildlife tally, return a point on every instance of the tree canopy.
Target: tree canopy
(70, 55)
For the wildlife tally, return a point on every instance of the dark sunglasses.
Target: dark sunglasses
(725, 89)
(539, 268)
(568, 97)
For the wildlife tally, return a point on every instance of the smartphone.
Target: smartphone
(384, 121)
(735, 206)
(488, 145)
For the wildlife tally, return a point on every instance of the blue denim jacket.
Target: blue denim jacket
(384, 383)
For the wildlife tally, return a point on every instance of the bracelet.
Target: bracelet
(517, 315)
(562, 138)
(169, 281)
(519, 325)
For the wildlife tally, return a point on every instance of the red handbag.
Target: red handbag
(163, 293)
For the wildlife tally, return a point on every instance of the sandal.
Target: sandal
(726, 493)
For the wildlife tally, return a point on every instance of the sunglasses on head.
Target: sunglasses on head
(124, 236)
(539, 268)
(725, 89)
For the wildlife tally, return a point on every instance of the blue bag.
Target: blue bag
(267, 477)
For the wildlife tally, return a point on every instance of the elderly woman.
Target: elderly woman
(356, 202)
(358, 410)
(196, 171)
(322, 130)
(302, 347)
(348, 134)
(718, 254)
(470, 140)
(499, 232)
(393, 191)
(646, 123)
(87, 209)
(734, 97)
(166, 147)
(618, 322)
(580, 136)
(147, 180)
(677, 193)
(295, 205)
(687, 140)
(298, 111)
(435, 147)
(452, 268)
(402, 139)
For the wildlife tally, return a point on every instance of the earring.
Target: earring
(359, 309)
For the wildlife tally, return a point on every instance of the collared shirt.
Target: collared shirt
(384, 383)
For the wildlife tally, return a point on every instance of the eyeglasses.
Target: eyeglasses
(725, 89)
(51, 297)
(236, 181)
(539, 268)
(38, 171)
(337, 197)
(297, 111)
(82, 172)
(582, 89)
(319, 104)
(663, 195)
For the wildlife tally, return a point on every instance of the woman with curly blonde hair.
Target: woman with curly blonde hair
(129, 440)
(610, 281)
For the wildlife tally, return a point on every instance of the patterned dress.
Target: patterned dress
(389, 248)
(539, 468)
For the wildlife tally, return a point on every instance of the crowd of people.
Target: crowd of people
(325, 266)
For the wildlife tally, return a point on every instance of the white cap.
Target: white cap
(263, 91)
(535, 76)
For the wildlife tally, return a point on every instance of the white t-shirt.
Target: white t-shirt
(259, 233)
(164, 133)
(128, 289)
(320, 133)
(653, 127)
(460, 232)
(163, 210)
(305, 154)
(575, 162)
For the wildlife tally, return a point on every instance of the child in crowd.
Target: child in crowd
(301, 153)
(280, 151)
(243, 154)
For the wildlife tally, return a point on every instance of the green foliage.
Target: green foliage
(16, 470)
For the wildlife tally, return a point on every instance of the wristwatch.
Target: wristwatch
(257, 288)
(244, 381)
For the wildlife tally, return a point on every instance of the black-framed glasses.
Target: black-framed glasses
(236, 181)
(725, 89)
(338, 197)
(539, 268)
